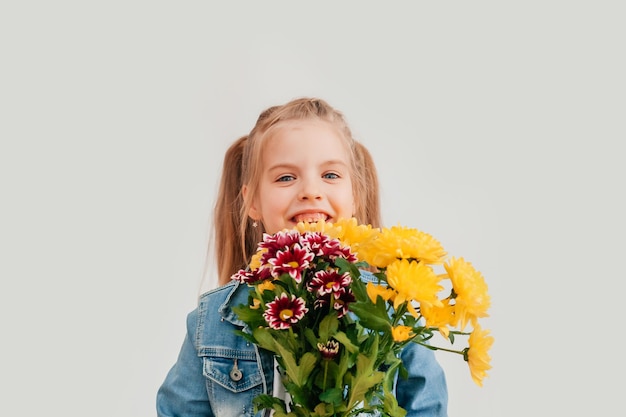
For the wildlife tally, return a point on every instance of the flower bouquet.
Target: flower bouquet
(337, 302)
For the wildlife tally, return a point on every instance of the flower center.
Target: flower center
(293, 264)
(286, 314)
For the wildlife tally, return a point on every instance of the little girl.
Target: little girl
(299, 163)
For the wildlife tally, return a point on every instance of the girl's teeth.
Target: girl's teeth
(310, 219)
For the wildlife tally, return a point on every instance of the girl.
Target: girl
(299, 163)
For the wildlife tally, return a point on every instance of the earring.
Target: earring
(254, 223)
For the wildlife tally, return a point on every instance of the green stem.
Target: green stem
(460, 352)
(325, 375)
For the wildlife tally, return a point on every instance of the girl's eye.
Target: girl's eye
(331, 176)
(285, 178)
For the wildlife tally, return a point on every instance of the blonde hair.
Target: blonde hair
(235, 238)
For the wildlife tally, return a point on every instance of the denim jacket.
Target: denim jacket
(218, 373)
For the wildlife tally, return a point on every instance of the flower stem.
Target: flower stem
(460, 352)
(325, 375)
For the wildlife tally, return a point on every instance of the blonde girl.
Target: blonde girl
(299, 163)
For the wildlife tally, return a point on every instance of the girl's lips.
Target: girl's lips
(310, 217)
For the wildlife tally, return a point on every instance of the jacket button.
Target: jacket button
(235, 375)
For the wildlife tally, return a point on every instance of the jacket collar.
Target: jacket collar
(238, 294)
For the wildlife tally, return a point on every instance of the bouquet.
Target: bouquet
(336, 303)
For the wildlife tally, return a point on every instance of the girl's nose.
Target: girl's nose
(310, 190)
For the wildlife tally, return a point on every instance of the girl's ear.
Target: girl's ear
(253, 212)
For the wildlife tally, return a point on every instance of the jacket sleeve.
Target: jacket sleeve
(183, 393)
(424, 392)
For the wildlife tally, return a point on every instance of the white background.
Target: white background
(495, 127)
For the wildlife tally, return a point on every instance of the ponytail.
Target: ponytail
(366, 190)
(227, 214)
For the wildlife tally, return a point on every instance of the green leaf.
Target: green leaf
(342, 338)
(390, 374)
(345, 266)
(310, 336)
(370, 317)
(411, 321)
(328, 326)
(332, 396)
(264, 339)
(299, 397)
(298, 373)
(364, 379)
(282, 284)
(264, 401)
(345, 362)
(245, 335)
(391, 407)
(323, 410)
(360, 291)
(402, 371)
(248, 315)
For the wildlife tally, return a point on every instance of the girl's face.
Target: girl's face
(305, 176)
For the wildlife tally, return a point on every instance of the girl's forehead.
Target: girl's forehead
(312, 143)
(305, 129)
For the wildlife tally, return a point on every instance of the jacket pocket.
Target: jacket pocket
(234, 370)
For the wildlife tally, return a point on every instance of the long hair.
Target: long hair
(235, 238)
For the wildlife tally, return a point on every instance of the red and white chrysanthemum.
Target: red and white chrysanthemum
(329, 281)
(319, 244)
(271, 244)
(329, 350)
(284, 311)
(252, 276)
(340, 301)
(291, 261)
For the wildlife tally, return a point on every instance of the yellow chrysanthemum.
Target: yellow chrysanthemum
(255, 260)
(348, 231)
(319, 226)
(401, 333)
(332, 230)
(413, 281)
(400, 242)
(375, 290)
(472, 300)
(477, 355)
(265, 285)
(439, 316)
(354, 234)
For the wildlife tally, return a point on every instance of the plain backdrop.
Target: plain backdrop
(496, 126)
